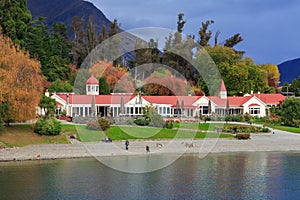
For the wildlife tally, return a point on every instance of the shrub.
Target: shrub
(207, 118)
(265, 130)
(47, 126)
(169, 124)
(243, 136)
(156, 119)
(104, 124)
(141, 122)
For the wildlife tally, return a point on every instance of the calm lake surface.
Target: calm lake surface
(218, 176)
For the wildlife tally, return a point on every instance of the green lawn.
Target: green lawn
(135, 132)
(287, 128)
(23, 135)
(204, 126)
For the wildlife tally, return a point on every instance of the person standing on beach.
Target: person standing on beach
(126, 144)
(147, 149)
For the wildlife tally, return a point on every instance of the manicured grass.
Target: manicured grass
(85, 135)
(204, 126)
(135, 132)
(23, 135)
(287, 128)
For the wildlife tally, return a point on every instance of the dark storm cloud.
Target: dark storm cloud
(269, 27)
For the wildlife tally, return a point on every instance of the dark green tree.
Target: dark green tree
(204, 33)
(38, 41)
(57, 68)
(60, 86)
(103, 87)
(233, 41)
(290, 111)
(14, 20)
(60, 44)
(48, 105)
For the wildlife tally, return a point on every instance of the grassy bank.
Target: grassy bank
(130, 133)
(23, 135)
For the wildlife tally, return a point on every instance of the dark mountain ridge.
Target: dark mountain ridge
(65, 10)
(289, 70)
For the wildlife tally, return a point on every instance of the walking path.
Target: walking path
(280, 141)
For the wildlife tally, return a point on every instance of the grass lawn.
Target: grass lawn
(23, 135)
(204, 126)
(287, 128)
(135, 132)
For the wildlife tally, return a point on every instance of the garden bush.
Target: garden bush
(141, 122)
(156, 119)
(245, 129)
(243, 136)
(47, 126)
(102, 124)
(169, 124)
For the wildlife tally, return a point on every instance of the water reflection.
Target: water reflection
(219, 176)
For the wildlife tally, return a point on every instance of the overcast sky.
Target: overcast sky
(270, 28)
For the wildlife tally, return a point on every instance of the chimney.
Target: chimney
(47, 94)
(251, 91)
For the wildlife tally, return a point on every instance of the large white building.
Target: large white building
(168, 106)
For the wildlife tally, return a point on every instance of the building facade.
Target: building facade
(115, 105)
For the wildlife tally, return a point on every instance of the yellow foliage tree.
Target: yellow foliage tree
(20, 82)
(272, 74)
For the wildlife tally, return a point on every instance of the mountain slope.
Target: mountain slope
(65, 10)
(289, 70)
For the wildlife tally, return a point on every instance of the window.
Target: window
(254, 110)
(205, 110)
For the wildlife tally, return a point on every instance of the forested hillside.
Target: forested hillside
(64, 11)
(47, 39)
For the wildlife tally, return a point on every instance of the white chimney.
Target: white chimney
(251, 91)
(47, 94)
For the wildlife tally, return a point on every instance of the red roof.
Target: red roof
(107, 100)
(172, 100)
(92, 80)
(271, 99)
(233, 101)
(99, 99)
(222, 87)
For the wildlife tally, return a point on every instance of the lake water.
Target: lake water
(218, 176)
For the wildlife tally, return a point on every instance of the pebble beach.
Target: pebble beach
(278, 142)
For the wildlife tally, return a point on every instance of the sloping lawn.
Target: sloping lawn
(135, 132)
(287, 128)
(23, 135)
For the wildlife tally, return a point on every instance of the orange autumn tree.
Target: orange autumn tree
(20, 82)
(163, 83)
(117, 78)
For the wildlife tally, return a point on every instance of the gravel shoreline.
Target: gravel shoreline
(280, 141)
